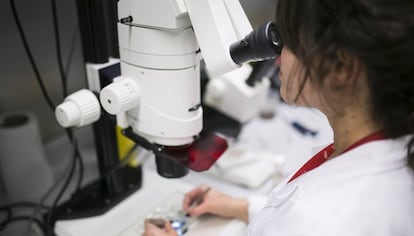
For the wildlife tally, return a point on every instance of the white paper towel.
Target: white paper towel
(25, 172)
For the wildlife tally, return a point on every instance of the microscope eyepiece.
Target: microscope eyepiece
(261, 44)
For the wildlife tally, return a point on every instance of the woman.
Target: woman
(353, 60)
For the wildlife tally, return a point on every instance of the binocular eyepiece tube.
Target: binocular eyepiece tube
(261, 44)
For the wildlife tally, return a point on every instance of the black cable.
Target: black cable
(62, 190)
(81, 170)
(65, 88)
(50, 191)
(73, 45)
(32, 62)
(29, 54)
(77, 156)
(58, 48)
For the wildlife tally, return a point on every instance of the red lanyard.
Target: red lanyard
(325, 153)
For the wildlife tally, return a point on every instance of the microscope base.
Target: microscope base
(94, 199)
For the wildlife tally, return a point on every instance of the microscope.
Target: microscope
(156, 99)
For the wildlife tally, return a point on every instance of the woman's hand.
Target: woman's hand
(216, 203)
(213, 202)
(152, 229)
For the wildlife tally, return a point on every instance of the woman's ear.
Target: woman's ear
(348, 68)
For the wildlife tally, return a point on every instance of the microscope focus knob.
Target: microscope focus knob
(79, 109)
(120, 96)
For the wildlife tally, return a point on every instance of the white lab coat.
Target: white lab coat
(366, 191)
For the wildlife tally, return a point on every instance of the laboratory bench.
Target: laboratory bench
(265, 151)
(276, 146)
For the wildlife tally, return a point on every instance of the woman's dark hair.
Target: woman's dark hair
(378, 33)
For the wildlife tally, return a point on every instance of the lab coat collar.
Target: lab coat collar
(368, 159)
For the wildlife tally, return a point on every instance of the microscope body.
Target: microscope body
(156, 100)
(161, 43)
(153, 90)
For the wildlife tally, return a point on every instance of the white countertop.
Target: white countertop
(276, 135)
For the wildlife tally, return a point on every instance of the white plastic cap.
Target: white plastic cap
(79, 109)
(120, 96)
(67, 114)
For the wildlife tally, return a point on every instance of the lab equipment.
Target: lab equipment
(168, 209)
(179, 225)
(261, 44)
(157, 98)
(158, 198)
(181, 221)
(154, 91)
